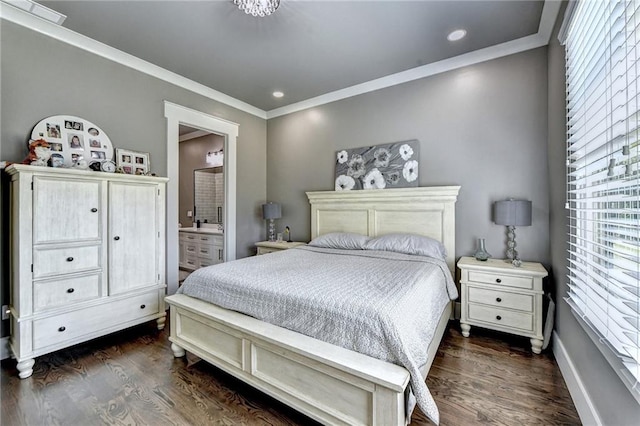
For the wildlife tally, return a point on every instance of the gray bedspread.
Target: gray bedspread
(382, 304)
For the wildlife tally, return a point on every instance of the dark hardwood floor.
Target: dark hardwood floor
(132, 378)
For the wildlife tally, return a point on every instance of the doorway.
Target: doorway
(176, 116)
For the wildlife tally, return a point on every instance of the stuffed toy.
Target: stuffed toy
(39, 153)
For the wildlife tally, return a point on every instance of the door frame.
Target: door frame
(176, 115)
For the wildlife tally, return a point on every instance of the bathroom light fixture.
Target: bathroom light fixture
(39, 10)
(278, 94)
(456, 35)
(257, 7)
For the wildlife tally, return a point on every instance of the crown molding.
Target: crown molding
(25, 19)
(541, 38)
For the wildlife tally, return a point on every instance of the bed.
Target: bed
(329, 383)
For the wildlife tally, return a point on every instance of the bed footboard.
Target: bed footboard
(328, 383)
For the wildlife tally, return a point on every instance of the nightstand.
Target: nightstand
(499, 296)
(265, 247)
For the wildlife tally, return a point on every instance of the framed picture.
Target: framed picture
(393, 165)
(132, 162)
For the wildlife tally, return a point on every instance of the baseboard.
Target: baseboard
(5, 352)
(581, 399)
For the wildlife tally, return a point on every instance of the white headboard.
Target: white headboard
(428, 211)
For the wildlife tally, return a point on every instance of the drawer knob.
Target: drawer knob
(93, 210)
(498, 299)
(69, 259)
(143, 306)
(70, 290)
(498, 280)
(116, 238)
(498, 317)
(61, 329)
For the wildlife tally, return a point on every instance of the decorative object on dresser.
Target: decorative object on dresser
(392, 165)
(133, 162)
(500, 296)
(72, 139)
(265, 247)
(512, 213)
(481, 254)
(200, 247)
(84, 261)
(39, 153)
(270, 212)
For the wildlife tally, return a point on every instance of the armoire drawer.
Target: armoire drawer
(61, 328)
(66, 260)
(54, 293)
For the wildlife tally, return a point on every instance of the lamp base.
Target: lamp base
(272, 230)
(512, 253)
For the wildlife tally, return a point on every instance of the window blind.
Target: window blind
(603, 180)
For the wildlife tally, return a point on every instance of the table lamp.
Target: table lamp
(512, 213)
(270, 212)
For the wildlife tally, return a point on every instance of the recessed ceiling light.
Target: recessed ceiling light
(456, 35)
(278, 94)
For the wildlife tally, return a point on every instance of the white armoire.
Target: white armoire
(87, 256)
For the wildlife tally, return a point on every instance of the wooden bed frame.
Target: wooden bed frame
(328, 383)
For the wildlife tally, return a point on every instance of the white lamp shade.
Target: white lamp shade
(271, 211)
(512, 213)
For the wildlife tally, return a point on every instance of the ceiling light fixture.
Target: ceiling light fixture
(257, 7)
(39, 10)
(278, 94)
(456, 35)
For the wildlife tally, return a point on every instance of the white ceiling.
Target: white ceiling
(306, 49)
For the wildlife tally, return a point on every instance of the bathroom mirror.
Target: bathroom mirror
(208, 196)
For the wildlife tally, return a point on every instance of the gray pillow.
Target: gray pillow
(408, 244)
(340, 240)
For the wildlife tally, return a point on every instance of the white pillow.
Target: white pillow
(408, 244)
(340, 240)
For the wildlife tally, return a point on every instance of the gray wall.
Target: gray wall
(41, 77)
(192, 157)
(483, 127)
(611, 398)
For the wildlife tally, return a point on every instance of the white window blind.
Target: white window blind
(603, 180)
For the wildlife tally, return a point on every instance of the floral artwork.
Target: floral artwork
(377, 167)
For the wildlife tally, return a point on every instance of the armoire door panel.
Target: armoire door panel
(132, 236)
(66, 210)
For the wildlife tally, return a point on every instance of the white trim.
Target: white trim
(550, 12)
(581, 399)
(175, 115)
(471, 58)
(5, 350)
(193, 135)
(547, 21)
(20, 17)
(541, 38)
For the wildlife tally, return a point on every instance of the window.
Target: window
(603, 180)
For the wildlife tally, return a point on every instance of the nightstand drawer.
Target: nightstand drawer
(501, 279)
(504, 318)
(501, 299)
(265, 250)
